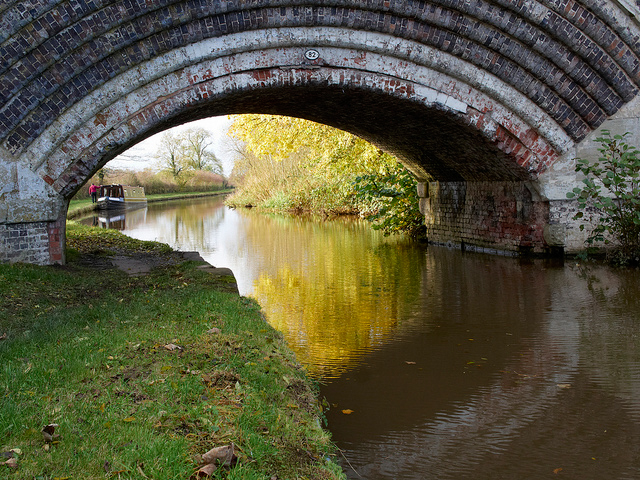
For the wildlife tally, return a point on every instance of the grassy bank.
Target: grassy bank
(84, 206)
(142, 375)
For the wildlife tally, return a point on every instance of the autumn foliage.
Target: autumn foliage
(286, 163)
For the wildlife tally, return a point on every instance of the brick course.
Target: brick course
(486, 216)
(41, 243)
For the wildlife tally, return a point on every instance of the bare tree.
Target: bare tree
(198, 143)
(189, 150)
(171, 154)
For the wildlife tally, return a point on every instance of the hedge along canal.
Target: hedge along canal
(137, 376)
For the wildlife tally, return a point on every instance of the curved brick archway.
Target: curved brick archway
(488, 97)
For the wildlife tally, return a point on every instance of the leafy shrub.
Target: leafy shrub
(610, 198)
(278, 201)
(391, 202)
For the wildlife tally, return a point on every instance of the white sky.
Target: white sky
(140, 156)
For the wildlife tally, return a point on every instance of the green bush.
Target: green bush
(392, 202)
(609, 200)
(278, 201)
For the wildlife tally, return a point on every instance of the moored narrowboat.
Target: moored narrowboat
(114, 197)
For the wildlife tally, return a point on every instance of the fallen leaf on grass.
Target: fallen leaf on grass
(204, 472)
(11, 463)
(172, 346)
(3, 336)
(224, 455)
(48, 432)
(11, 453)
(219, 456)
(214, 331)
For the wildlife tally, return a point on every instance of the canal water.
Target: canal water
(437, 364)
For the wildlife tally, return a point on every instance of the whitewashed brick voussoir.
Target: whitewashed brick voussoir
(110, 107)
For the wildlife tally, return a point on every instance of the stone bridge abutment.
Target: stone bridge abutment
(486, 102)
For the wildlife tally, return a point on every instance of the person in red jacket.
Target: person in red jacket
(93, 191)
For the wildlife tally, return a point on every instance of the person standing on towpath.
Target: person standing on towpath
(93, 191)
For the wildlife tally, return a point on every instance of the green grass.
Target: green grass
(86, 349)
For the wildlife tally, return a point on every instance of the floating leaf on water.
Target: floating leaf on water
(557, 470)
(564, 385)
(347, 411)
(410, 363)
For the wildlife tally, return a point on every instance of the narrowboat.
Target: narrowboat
(114, 197)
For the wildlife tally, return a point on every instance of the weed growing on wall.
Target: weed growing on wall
(611, 195)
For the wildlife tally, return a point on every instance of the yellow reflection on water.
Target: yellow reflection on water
(336, 288)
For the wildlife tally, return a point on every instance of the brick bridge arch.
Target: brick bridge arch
(485, 101)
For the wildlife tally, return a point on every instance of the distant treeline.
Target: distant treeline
(157, 182)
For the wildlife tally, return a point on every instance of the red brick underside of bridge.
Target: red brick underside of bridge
(485, 102)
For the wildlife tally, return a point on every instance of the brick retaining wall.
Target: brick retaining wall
(40, 243)
(486, 216)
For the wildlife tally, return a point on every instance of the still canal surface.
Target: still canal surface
(437, 364)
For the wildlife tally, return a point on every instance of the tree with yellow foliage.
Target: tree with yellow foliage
(294, 164)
